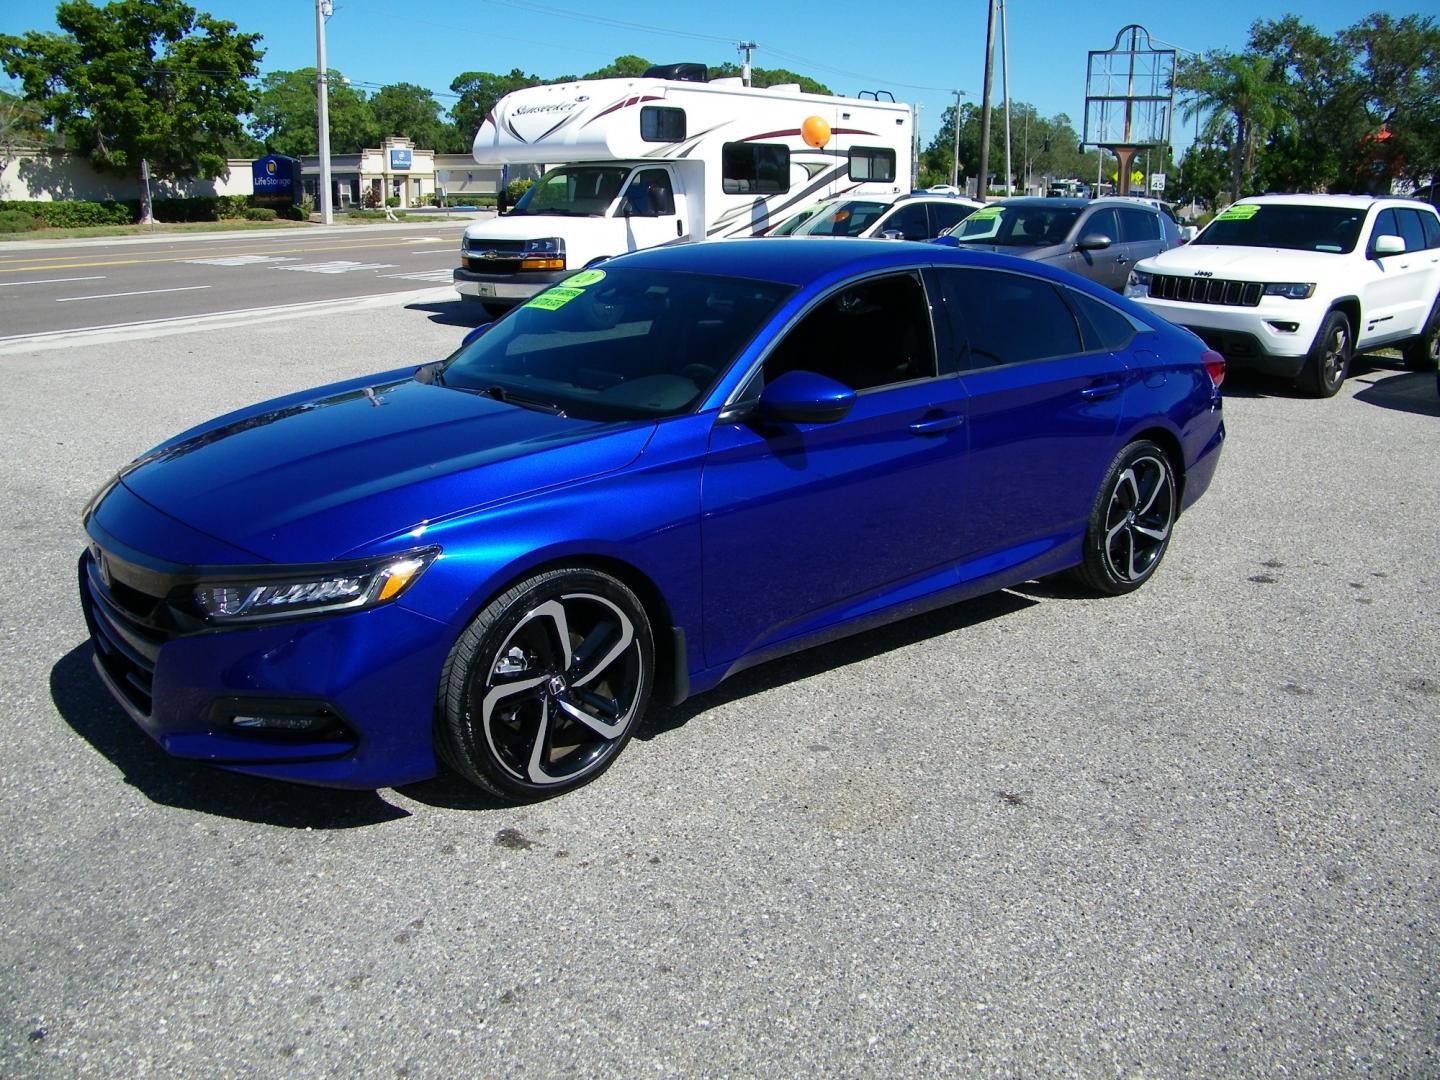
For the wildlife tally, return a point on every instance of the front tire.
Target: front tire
(1423, 353)
(1329, 359)
(547, 684)
(1130, 522)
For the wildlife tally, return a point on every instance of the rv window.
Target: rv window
(662, 125)
(754, 167)
(872, 163)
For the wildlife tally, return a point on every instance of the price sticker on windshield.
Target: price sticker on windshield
(985, 214)
(554, 299)
(1239, 212)
(584, 278)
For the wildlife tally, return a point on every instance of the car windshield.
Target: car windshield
(849, 218)
(1332, 229)
(616, 344)
(790, 224)
(1017, 226)
(574, 191)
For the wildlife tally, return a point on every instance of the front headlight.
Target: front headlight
(1292, 290)
(1139, 279)
(342, 587)
(547, 245)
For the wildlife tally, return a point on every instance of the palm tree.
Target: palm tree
(1243, 96)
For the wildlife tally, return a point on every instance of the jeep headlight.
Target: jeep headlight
(1292, 290)
(312, 590)
(1139, 279)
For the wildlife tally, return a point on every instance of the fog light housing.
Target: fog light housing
(311, 720)
(1283, 327)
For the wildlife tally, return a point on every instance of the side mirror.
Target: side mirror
(1188, 233)
(1389, 245)
(803, 397)
(1094, 242)
(473, 334)
(891, 234)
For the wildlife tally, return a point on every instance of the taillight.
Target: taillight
(1214, 366)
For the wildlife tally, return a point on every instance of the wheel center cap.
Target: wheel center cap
(556, 685)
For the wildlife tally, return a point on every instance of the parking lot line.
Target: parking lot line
(141, 292)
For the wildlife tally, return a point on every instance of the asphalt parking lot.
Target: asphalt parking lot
(1191, 831)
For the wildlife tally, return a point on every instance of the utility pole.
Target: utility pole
(984, 181)
(323, 8)
(1005, 84)
(955, 165)
(745, 48)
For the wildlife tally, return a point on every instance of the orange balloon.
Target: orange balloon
(815, 131)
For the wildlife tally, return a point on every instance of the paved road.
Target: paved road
(1190, 832)
(115, 283)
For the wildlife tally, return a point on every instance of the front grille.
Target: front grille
(503, 247)
(1198, 290)
(122, 628)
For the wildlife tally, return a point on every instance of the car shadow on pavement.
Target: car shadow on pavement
(453, 313)
(1406, 391)
(85, 704)
(837, 654)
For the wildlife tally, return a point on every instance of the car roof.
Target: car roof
(1355, 202)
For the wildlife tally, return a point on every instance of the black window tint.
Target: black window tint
(1432, 228)
(1003, 318)
(750, 167)
(1412, 229)
(1138, 226)
(1103, 222)
(1103, 327)
(871, 334)
(871, 163)
(1385, 225)
(947, 215)
(909, 220)
(660, 124)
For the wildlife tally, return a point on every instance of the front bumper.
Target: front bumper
(505, 289)
(1274, 337)
(369, 676)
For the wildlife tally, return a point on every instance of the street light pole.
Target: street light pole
(1005, 89)
(955, 164)
(322, 93)
(983, 183)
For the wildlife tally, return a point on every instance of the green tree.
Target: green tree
(1245, 94)
(1204, 173)
(20, 124)
(1398, 87)
(140, 81)
(623, 67)
(287, 115)
(412, 111)
(479, 91)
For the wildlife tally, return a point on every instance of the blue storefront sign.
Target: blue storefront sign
(275, 179)
(401, 160)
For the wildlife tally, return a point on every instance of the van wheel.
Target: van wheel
(1423, 353)
(1329, 359)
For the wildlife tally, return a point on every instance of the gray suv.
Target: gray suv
(1100, 239)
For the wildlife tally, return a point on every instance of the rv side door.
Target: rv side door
(652, 205)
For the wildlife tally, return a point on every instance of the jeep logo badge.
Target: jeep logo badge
(1204, 273)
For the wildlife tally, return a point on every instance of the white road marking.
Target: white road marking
(184, 324)
(142, 292)
(243, 260)
(444, 274)
(338, 266)
(56, 280)
(427, 240)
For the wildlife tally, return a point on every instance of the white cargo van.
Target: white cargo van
(666, 159)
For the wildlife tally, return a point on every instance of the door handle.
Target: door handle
(679, 228)
(936, 425)
(1122, 259)
(1100, 390)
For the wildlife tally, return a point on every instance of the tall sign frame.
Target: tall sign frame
(1129, 98)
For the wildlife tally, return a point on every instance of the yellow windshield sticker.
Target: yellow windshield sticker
(553, 299)
(986, 212)
(585, 277)
(1239, 212)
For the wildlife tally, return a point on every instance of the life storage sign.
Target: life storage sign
(276, 181)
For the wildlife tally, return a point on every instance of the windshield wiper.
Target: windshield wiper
(509, 397)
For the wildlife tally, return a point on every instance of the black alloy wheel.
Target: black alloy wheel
(1131, 520)
(1423, 353)
(546, 685)
(1329, 360)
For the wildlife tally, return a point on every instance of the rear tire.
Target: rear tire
(1329, 360)
(1130, 522)
(1423, 353)
(547, 684)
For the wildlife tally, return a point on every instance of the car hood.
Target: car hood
(314, 478)
(1244, 263)
(538, 226)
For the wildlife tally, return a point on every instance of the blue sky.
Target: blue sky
(918, 52)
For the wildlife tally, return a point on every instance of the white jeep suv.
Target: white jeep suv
(1294, 285)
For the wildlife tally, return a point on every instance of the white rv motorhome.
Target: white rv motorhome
(666, 159)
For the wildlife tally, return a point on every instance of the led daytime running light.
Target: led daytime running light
(348, 591)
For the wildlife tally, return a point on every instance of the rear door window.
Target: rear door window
(1138, 226)
(1003, 318)
(1412, 229)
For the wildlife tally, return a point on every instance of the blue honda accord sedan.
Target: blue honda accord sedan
(661, 471)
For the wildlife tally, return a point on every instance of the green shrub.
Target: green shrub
(260, 213)
(17, 221)
(231, 207)
(199, 208)
(393, 201)
(516, 188)
(74, 213)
